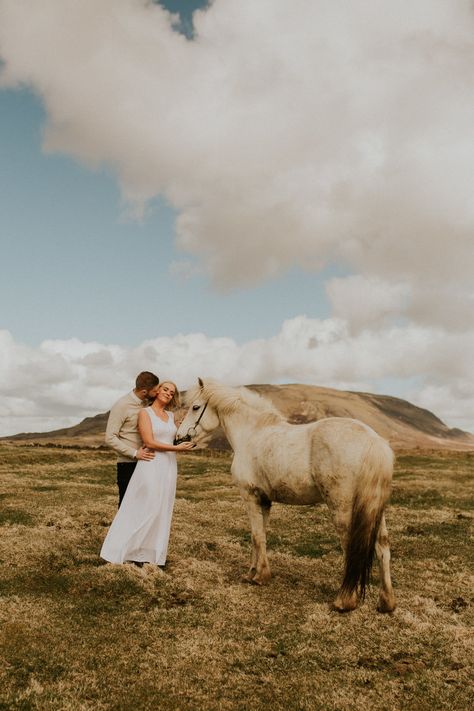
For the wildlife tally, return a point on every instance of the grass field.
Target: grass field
(79, 634)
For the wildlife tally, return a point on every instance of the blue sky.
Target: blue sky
(74, 264)
(316, 165)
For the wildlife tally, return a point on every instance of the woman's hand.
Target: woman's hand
(185, 445)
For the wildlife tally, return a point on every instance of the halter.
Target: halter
(192, 431)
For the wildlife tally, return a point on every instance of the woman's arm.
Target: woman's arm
(146, 433)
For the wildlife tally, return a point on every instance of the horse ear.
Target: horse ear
(201, 384)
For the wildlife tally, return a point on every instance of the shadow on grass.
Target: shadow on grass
(437, 540)
(315, 547)
(16, 517)
(46, 488)
(29, 654)
(449, 530)
(429, 498)
(37, 582)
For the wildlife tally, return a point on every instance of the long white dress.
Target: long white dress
(141, 528)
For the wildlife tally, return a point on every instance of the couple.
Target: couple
(141, 431)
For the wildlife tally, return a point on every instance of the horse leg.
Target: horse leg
(344, 601)
(258, 508)
(248, 578)
(386, 601)
(266, 505)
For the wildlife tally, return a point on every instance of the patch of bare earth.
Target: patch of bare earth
(79, 634)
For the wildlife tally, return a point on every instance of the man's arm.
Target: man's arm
(114, 424)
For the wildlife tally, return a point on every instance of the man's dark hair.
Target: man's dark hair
(146, 381)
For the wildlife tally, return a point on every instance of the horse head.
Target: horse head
(201, 418)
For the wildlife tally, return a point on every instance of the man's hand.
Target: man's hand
(145, 454)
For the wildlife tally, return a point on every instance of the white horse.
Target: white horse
(337, 460)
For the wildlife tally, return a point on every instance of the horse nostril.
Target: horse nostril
(180, 440)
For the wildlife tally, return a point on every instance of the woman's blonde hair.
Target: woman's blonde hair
(175, 403)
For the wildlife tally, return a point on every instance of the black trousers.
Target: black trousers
(124, 474)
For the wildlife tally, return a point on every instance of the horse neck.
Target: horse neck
(237, 426)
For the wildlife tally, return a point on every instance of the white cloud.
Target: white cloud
(60, 382)
(367, 301)
(301, 131)
(287, 133)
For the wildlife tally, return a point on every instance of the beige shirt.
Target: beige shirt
(121, 434)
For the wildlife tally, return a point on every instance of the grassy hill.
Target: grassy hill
(404, 425)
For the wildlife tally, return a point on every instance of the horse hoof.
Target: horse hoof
(254, 579)
(345, 604)
(386, 603)
(261, 579)
(247, 579)
(342, 610)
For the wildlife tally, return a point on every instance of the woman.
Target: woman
(141, 528)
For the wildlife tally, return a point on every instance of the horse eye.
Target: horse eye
(196, 407)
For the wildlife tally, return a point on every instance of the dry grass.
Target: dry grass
(77, 634)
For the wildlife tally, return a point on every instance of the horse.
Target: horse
(336, 460)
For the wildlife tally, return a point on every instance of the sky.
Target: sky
(258, 192)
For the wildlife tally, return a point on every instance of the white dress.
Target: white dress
(140, 530)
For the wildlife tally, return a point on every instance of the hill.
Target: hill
(404, 425)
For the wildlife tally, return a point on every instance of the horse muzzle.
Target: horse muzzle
(180, 440)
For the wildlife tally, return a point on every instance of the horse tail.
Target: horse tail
(371, 494)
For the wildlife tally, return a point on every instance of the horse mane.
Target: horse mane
(227, 400)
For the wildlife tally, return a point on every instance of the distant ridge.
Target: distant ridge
(404, 425)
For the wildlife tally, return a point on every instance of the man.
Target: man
(122, 435)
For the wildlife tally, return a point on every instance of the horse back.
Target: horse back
(305, 464)
(344, 451)
(345, 440)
